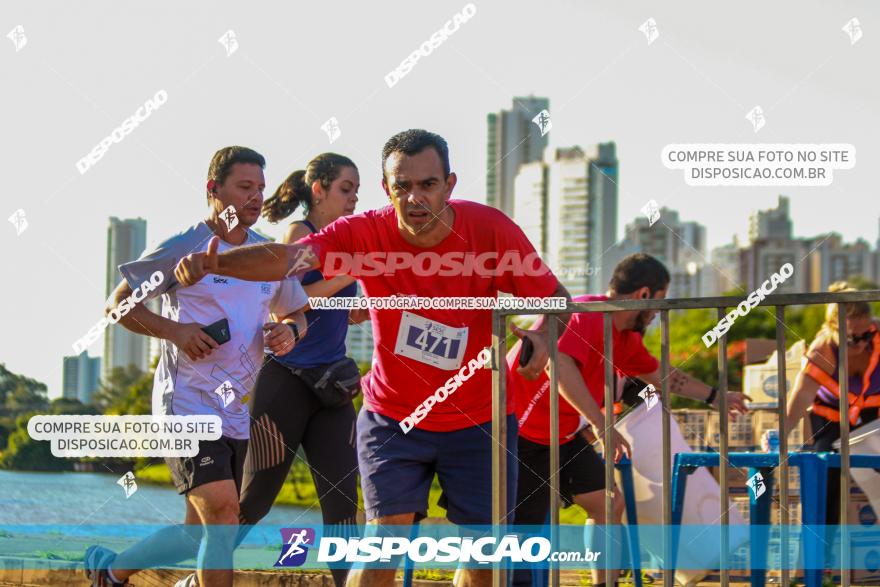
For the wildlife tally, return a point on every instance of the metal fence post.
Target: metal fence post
(781, 404)
(666, 402)
(843, 384)
(608, 449)
(552, 333)
(499, 433)
(724, 448)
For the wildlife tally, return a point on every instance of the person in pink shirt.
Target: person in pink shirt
(427, 400)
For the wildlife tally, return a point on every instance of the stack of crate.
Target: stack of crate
(693, 424)
(794, 512)
(739, 432)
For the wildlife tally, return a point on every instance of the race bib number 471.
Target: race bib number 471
(431, 342)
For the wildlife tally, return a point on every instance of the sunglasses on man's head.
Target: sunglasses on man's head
(854, 339)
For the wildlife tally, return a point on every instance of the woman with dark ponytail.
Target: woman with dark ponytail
(305, 397)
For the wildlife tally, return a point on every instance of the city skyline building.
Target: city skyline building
(80, 377)
(513, 139)
(126, 241)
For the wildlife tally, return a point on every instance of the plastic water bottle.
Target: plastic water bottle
(770, 442)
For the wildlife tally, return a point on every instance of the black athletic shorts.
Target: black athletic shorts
(582, 471)
(217, 460)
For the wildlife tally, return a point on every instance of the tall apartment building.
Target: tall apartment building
(79, 379)
(772, 245)
(512, 140)
(680, 245)
(832, 260)
(567, 206)
(126, 241)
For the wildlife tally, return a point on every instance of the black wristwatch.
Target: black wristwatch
(711, 399)
(295, 330)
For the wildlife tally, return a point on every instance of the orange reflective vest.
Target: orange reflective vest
(857, 401)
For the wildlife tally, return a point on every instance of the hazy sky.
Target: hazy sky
(88, 66)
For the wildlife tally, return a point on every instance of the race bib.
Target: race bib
(431, 342)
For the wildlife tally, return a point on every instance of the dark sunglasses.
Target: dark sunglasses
(853, 340)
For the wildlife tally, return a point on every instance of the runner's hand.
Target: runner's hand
(619, 448)
(192, 268)
(192, 340)
(533, 369)
(278, 337)
(358, 316)
(736, 402)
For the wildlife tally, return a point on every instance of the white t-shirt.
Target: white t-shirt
(217, 384)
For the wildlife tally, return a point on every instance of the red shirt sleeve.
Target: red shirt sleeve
(534, 279)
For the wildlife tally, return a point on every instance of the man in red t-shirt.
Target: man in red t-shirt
(581, 368)
(427, 400)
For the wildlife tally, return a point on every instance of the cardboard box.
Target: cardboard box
(693, 426)
(759, 381)
(741, 503)
(859, 512)
(794, 512)
(739, 432)
(865, 551)
(757, 350)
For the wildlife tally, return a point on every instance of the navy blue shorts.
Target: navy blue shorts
(397, 469)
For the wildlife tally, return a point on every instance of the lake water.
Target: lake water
(59, 514)
(95, 498)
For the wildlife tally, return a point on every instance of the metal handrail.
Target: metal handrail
(779, 301)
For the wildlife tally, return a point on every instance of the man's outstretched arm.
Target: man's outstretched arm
(263, 262)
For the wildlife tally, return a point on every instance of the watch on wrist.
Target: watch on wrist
(711, 399)
(295, 330)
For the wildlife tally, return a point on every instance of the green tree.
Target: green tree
(18, 395)
(68, 406)
(115, 391)
(27, 454)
